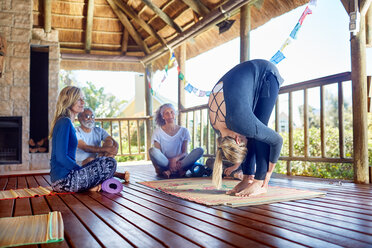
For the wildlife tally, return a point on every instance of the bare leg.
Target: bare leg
(87, 160)
(247, 180)
(268, 174)
(125, 176)
(96, 189)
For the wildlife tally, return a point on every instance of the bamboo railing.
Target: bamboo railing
(130, 133)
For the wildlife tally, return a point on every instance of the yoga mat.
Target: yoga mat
(34, 229)
(112, 185)
(202, 191)
(24, 193)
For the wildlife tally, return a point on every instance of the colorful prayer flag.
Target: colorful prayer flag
(294, 32)
(279, 56)
(304, 14)
(181, 76)
(189, 88)
(286, 43)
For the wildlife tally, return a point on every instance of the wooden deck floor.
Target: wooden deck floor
(143, 217)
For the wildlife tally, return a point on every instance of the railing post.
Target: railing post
(341, 138)
(306, 124)
(148, 101)
(322, 122)
(290, 132)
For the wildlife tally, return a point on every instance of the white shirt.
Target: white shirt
(94, 138)
(171, 146)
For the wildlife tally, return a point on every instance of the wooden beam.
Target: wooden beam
(364, 5)
(96, 57)
(126, 23)
(89, 27)
(197, 6)
(346, 4)
(132, 14)
(214, 17)
(124, 43)
(47, 16)
(359, 94)
(369, 27)
(245, 29)
(169, 21)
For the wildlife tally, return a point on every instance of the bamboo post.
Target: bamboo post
(369, 27)
(89, 26)
(181, 59)
(148, 102)
(245, 29)
(47, 16)
(359, 88)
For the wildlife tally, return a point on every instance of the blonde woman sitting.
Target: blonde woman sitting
(169, 154)
(240, 106)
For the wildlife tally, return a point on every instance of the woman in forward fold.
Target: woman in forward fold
(66, 175)
(169, 154)
(240, 106)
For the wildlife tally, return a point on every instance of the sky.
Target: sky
(322, 48)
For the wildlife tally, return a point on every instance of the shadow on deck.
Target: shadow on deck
(142, 217)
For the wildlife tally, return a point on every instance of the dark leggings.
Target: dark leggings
(258, 152)
(89, 176)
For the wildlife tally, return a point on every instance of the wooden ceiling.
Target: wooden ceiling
(137, 29)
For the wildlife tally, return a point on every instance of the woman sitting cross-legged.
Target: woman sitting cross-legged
(66, 175)
(169, 154)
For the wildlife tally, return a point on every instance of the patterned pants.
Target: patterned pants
(89, 176)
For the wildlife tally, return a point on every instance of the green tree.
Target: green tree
(65, 79)
(314, 118)
(104, 105)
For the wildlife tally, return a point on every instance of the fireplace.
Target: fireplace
(10, 140)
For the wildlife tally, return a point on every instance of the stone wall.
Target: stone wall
(16, 26)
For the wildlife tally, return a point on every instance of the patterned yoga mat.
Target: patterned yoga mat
(202, 191)
(34, 229)
(24, 193)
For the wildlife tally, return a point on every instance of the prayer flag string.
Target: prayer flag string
(279, 56)
(189, 88)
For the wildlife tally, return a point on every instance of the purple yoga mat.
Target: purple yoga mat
(112, 185)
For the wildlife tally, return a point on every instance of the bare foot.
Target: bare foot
(246, 181)
(238, 175)
(96, 188)
(125, 176)
(166, 173)
(255, 188)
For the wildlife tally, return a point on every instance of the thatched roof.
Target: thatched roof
(133, 30)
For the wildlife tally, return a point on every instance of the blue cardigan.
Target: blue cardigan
(242, 87)
(64, 144)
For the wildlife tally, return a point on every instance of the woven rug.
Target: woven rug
(202, 191)
(34, 229)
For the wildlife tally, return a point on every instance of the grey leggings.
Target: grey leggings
(161, 162)
(89, 176)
